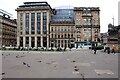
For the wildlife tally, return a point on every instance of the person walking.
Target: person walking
(113, 49)
(95, 50)
(108, 50)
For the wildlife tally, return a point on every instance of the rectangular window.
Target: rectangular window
(38, 23)
(32, 42)
(44, 23)
(84, 21)
(85, 29)
(77, 21)
(21, 22)
(27, 23)
(21, 41)
(58, 35)
(52, 36)
(68, 28)
(85, 39)
(58, 43)
(62, 43)
(38, 42)
(65, 29)
(32, 23)
(27, 42)
(21, 16)
(59, 29)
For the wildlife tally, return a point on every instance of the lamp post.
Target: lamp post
(91, 33)
(119, 39)
(113, 21)
(69, 44)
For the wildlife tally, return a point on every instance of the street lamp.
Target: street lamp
(91, 33)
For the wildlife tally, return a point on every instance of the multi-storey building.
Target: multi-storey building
(41, 26)
(8, 30)
(104, 38)
(87, 23)
(33, 20)
(62, 28)
(113, 36)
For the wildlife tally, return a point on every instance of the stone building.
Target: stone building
(33, 20)
(8, 30)
(41, 26)
(104, 38)
(113, 36)
(87, 23)
(62, 28)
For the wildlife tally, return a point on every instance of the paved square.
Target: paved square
(70, 64)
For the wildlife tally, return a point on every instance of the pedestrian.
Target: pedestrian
(113, 49)
(108, 50)
(95, 50)
(70, 48)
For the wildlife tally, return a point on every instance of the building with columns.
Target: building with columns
(33, 19)
(41, 26)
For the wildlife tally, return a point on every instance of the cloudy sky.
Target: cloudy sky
(109, 8)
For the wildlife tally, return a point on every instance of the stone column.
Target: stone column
(35, 23)
(35, 41)
(47, 29)
(63, 43)
(18, 41)
(29, 23)
(18, 30)
(29, 41)
(35, 29)
(41, 29)
(47, 41)
(56, 43)
(41, 23)
(60, 43)
(41, 41)
(67, 43)
(24, 41)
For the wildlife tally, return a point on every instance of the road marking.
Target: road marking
(99, 72)
(93, 62)
(83, 64)
(55, 63)
(68, 59)
(76, 72)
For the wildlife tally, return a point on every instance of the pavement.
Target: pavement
(78, 63)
